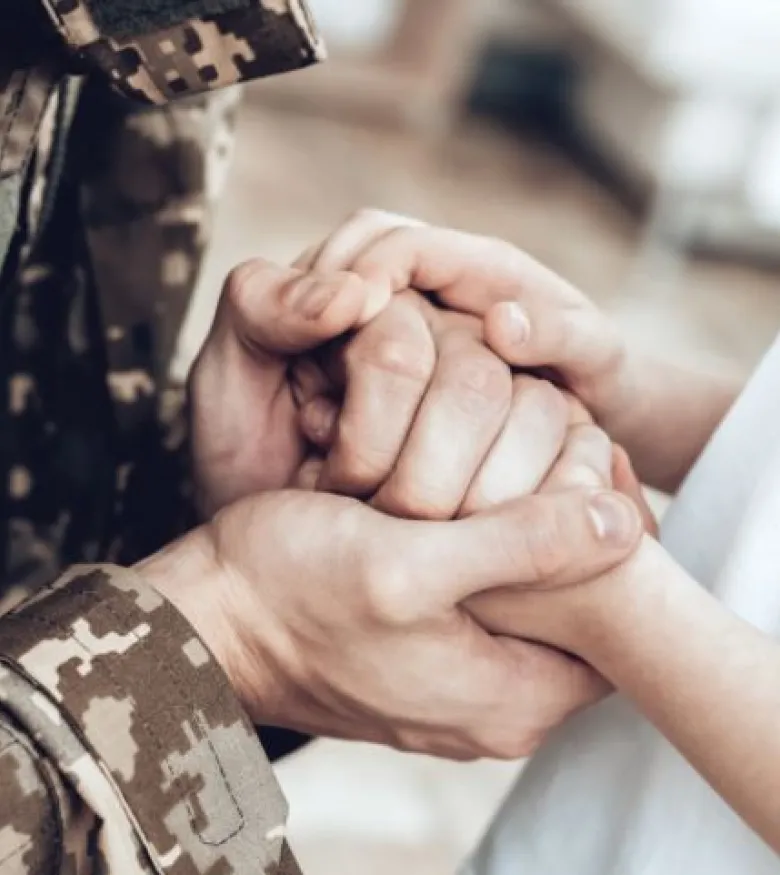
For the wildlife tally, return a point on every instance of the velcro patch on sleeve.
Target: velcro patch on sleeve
(126, 19)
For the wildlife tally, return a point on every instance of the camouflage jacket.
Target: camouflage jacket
(122, 749)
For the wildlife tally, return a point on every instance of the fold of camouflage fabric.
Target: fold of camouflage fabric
(228, 42)
(121, 743)
(122, 747)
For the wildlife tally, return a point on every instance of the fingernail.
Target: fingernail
(613, 519)
(516, 322)
(319, 420)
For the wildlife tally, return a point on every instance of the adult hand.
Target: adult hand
(533, 318)
(420, 417)
(257, 335)
(565, 616)
(542, 425)
(244, 432)
(332, 618)
(244, 428)
(433, 445)
(410, 375)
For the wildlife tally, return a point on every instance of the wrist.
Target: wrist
(631, 610)
(611, 606)
(188, 574)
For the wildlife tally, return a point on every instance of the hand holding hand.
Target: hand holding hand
(244, 423)
(332, 618)
(576, 619)
(532, 317)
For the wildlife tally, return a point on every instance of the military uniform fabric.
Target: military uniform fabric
(122, 748)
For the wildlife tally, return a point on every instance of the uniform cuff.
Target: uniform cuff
(127, 674)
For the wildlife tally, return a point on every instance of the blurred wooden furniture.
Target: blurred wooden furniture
(416, 80)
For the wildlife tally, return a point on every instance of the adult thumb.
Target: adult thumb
(544, 540)
(286, 311)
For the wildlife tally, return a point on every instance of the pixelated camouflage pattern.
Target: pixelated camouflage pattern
(264, 38)
(23, 100)
(122, 749)
(156, 767)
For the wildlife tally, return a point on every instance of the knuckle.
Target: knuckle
(238, 284)
(358, 467)
(577, 412)
(394, 356)
(335, 291)
(480, 382)
(582, 474)
(545, 398)
(551, 398)
(590, 452)
(391, 596)
(417, 500)
(588, 444)
(595, 437)
(338, 283)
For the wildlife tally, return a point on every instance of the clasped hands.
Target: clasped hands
(407, 533)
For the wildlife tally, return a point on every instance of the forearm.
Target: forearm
(707, 680)
(666, 416)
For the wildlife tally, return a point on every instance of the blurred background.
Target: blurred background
(633, 145)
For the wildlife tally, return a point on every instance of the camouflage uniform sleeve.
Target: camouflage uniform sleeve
(146, 246)
(148, 205)
(122, 749)
(158, 51)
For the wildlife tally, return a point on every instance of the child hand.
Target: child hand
(578, 619)
(541, 421)
(533, 318)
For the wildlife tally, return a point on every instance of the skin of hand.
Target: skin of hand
(645, 624)
(274, 325)
(570, 618)
(333, 618)
(256, 322)
(434, 445)
(706, 678)
(422, 419)
(544, 428)
(535, 319)
(245, 436)
(532, 317)
(268, 315)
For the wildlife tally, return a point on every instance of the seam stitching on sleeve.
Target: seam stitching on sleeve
(14, 117)
(176, 681)
(11, 115)
(159, 749)
(53, 826)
